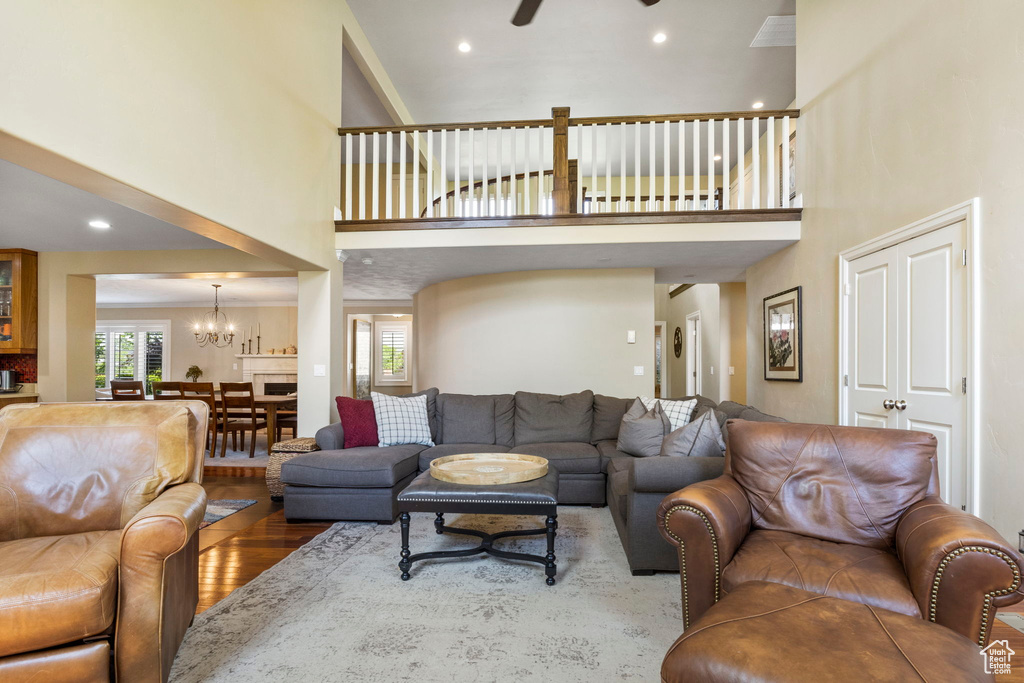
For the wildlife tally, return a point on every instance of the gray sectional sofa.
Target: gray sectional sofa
(577, 433)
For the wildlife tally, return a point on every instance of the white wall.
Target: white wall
(908, 108)
(548, 331)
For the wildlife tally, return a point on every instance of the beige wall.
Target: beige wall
(732, 312)
(907, 109)
(279, 330)
(549, 331)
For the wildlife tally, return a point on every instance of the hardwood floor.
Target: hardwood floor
(239, 547)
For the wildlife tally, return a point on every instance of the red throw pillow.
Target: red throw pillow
(359, 422)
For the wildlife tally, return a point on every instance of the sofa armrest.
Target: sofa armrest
(707, 521)
(331, 437)
(668, 474)
(960, 568)
(158, 583)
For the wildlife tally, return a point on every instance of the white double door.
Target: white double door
(907, 346)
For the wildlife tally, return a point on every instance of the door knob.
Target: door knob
(888, 404)
(901, 405)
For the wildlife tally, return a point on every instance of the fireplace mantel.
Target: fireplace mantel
(266, 367)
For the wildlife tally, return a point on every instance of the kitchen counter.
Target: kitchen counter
(20, 397)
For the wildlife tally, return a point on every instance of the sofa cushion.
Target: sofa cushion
(570, 457)
(608, 412)
(431, 395)
(609, 452)
(643, 430)
(402, 420)
(366, 467)
(701, 438)
(871, 576)
(464, 418)
(358, 423)
(679, 413)
(57, 589)
(842, 484)
(546, 418)
(444, 449)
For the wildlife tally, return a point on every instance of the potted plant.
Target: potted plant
(193, 373)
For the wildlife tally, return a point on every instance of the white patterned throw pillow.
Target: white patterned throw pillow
(678, 412)
(401, 420)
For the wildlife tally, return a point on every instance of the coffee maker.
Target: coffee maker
(9, 382)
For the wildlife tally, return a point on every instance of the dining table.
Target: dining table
(270, 403)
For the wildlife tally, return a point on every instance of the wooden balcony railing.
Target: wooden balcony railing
(563, 166)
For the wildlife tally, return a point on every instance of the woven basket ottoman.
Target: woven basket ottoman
(282, 452)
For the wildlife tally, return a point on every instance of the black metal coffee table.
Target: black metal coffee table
(536, 497)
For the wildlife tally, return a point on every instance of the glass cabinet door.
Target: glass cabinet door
(7, 299)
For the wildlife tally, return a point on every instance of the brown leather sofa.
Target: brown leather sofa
(99, 508)
(847, 512)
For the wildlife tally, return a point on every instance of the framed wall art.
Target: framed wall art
(783, 340)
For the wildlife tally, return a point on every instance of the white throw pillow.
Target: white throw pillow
(678, 412)
(401, 420)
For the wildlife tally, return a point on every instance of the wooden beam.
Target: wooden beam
(654, 217)
(679, 290)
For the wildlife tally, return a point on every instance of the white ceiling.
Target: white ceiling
(595, 56)
(112, 291)
(400, 273)
(43, 214)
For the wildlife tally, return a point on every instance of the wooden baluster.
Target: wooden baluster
(666, 168)
(696, 165)
(499, 190)
(755, 162)
(416, 174)
(725, 165)
(784, 162)
(389, 175)
(362, 176)
(512, 189)
(623, 206)
(401, 174)
(773, 189)
(637, 167)
(375, 206)
(431, 190)
(526, 171)
(652, 166)
(741, 164)
(712, 184)
(607, 205)
(574, 186)
(485, 210)
(560, 159)
(457, 205)
(471, 182)
(681, 201)
(593, 170)
(349, 171)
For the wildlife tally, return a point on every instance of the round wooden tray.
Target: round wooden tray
(488, 468)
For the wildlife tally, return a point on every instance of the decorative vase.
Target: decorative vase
(291, 350)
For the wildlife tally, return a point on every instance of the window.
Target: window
(132, 350)
(394, 340)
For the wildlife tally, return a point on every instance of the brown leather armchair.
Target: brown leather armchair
(848, 512)
(99, 508)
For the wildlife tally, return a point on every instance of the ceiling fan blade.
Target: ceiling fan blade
(524, 15)
(649, 2)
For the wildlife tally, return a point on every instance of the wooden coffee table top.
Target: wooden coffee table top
(488, 468)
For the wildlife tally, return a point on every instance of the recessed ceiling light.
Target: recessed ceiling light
(367, 261)
(718, 157)
(660, 37)
(102, 225)
(757, 105)
(465, 47)
(604, 258)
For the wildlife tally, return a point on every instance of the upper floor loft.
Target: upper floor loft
(565, 171)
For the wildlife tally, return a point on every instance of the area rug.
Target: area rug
(220, 508)
(336, 610)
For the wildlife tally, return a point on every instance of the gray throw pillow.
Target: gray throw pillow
(642, 431)
(702, 438)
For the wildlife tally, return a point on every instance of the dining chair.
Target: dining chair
(167, 391)
(203, 391)
(238, 410)
(287, 415)
(127, 390)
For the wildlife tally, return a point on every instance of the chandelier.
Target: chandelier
(215, 328)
